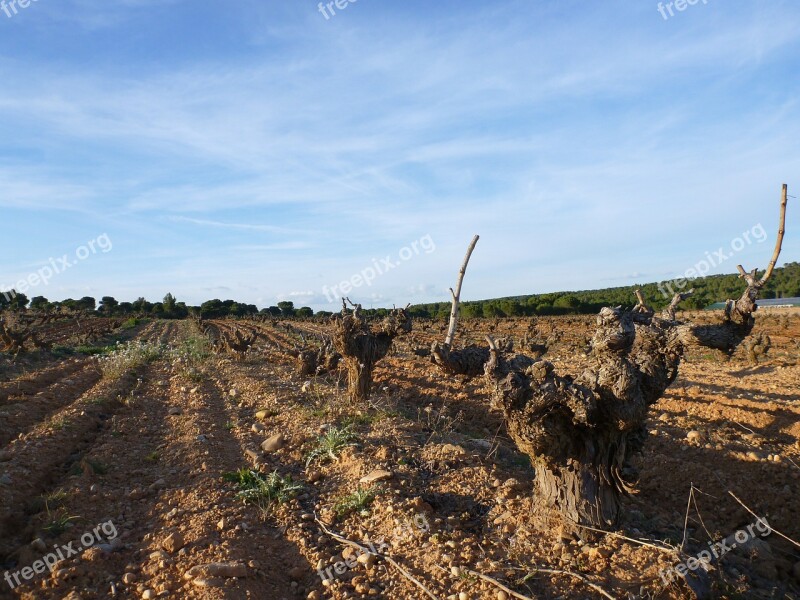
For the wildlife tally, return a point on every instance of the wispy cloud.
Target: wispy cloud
(267, 149)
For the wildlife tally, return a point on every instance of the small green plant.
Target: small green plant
(94, 350)
(126, 357)
(153, 456)
(55, 498)
(359, 501)
(58, 522)
(130, 323)
(255, 488)
(191, 354)
(59, 423)
(331, 445)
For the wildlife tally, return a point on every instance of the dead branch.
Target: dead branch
(388, 559)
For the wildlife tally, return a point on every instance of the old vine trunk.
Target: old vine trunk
(362, 346)
(580, 432)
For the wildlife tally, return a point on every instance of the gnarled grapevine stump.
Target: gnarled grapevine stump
(580, 432)
(362, 346)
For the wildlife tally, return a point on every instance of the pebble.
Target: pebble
(273, 443)
(175, 410)
(148, 594)
(226, 570)
(39, 545)
(502, 595)
(129, 578)
(257, 428)
(376, 475)
(694, 436)
(368, 560)
(173, 542)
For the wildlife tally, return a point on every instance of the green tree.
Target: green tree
(108, 304)
(39, 303)
(169, 304)
(305, 311)
(287, 308)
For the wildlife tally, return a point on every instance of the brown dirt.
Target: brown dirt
(458, 498)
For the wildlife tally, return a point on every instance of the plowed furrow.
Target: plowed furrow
(23, 412)
(30, 384)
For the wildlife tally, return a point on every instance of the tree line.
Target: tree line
(785, 283)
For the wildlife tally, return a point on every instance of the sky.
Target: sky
(265, 150)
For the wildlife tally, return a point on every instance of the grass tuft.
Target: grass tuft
(331, 445)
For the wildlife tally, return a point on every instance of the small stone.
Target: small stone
(226, 570)
(221, 524)
(694, 436)
(296, 574)
(233, 393)
(314, 476)
(175, 410)
(367, 559)
(5, 479)
(206, 582)
(502, 595)
(273, 443)
(39, 545)
(463, 596)
(420, 506)
(376, 475)
(261, 415)
(173, 542)
(148, 594)
(194, 390)
(455, 571)
(252, 455)
(128, 578)
(257, 428)
(315, 595)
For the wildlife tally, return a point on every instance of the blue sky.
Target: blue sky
(258, 151)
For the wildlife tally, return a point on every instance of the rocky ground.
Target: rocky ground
(130, 473)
